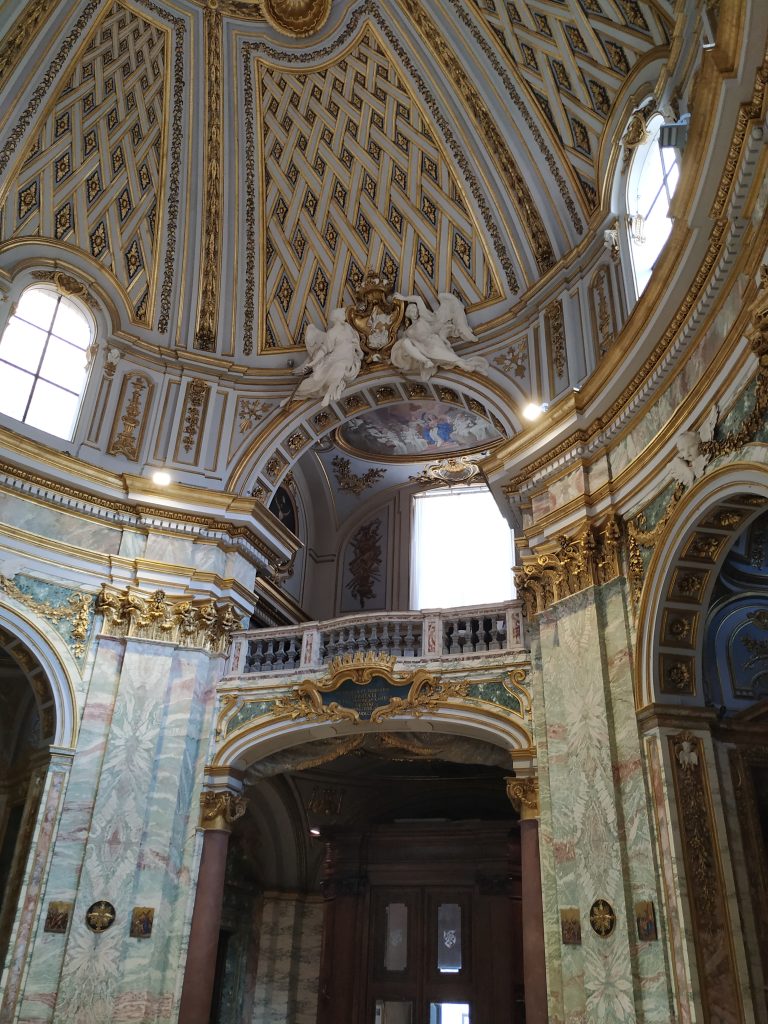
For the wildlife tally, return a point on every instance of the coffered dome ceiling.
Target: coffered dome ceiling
(224, 174)
(458, 146)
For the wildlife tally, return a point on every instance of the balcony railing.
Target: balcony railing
(425, 634)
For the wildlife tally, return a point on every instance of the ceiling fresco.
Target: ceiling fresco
(416, 430)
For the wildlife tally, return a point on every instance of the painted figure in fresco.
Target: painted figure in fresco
(424, 346)
(335, 358)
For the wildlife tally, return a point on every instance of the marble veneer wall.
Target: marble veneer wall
(119, 815)
(595, 816)
(288, 974)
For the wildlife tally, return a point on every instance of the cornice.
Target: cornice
(129, 500)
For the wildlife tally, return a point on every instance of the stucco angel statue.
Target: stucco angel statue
(690, 462)
(335, 358)
(424, 346)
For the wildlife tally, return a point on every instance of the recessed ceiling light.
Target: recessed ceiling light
(161, 478)
(532, 411)
(314, 831)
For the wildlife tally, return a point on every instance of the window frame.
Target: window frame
(73, 300)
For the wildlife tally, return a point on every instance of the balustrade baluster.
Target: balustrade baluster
(397, 639)
(409, 650)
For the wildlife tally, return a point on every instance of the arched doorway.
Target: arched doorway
(362, 705)
(374, 881)
(27, 727)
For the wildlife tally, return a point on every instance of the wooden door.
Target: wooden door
(421, 919)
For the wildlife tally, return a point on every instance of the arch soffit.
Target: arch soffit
(273, 453)
(269, 735)
(681, 577)
(56, 663)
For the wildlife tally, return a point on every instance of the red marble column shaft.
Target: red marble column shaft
(534, 959)
(197, 991)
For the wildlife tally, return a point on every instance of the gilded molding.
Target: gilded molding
(205, 337)
(194, 413)
(706, 891)
(296, 18)
(530, 122)
(591, 559)
(354, 483)
(177, 620)
(220, 809)
(71, 618)
(524, 796)
(20, 36)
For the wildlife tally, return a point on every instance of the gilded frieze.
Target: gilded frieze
(591, 559)
(205, 337)
(177, 620)
(22, 33)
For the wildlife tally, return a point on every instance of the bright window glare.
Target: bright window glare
(461, 550)
(44, 361)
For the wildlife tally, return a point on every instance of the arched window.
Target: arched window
(44, 360)
(652, 181)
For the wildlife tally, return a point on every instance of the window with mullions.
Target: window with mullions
(44, 361)
(652, 182)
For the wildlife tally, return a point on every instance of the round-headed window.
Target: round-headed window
(44, 360)
(653, 177)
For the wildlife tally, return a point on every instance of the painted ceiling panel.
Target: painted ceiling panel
(92, 177)
(352, 177)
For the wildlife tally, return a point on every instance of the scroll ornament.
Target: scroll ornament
(524, 796)
(220, 810)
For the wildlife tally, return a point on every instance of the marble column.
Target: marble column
(218, 812)
(524, 795)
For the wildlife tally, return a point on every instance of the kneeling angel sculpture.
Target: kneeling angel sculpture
(335, 358)
(423, 348)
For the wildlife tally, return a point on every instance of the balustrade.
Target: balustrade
(428, 634)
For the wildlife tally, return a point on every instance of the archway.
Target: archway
(29, 725)
(350, 714)
(347, 830)
(703, 707)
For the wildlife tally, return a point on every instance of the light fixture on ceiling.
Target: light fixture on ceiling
(314, 832)
(161, 478)
(533, 410)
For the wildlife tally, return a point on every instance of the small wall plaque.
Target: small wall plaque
(570, 926)
(602, 918)
(645, 915)
(141, 922)
(100, 916)
(57, 917)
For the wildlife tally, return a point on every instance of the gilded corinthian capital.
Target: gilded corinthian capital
(220, 810)
(524, 796)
